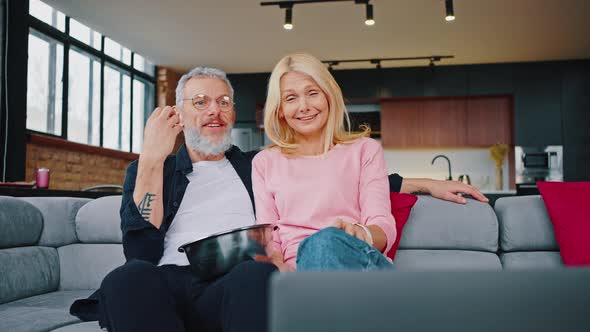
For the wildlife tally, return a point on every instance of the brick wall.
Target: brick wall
(167, 81)
(75, 166)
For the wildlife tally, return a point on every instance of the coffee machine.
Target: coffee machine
(534, 164)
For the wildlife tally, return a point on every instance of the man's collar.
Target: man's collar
(185, 164)
(233, 153)
(183, 160)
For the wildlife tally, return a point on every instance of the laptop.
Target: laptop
(486, 301)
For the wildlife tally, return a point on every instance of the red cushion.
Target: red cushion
(568, 205)
(401, 207)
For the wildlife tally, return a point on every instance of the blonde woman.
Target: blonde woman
(325, 188)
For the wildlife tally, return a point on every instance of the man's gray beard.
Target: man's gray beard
(203, 145)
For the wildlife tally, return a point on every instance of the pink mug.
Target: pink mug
(43, 178)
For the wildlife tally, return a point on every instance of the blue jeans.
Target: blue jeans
(333, 249)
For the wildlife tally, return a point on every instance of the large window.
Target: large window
(84, 98)
(117, 108)
(83, 86)
(44, 88)
(143, 104)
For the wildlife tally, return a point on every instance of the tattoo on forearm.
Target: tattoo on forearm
(145, 206)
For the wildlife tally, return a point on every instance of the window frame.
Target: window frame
(146, 112)
(51, 112)
(91, 86)
(105, 60)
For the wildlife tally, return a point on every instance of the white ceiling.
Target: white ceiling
(240, 36)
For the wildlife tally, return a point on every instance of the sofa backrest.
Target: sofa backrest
(438, 224)
(83, 265)
(26, 269)
(59, 213)
(441, 235)
(527, 239)
(525, 224)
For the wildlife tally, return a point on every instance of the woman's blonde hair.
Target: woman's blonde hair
(277, 129)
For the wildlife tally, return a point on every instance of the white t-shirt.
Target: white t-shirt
(215, 200)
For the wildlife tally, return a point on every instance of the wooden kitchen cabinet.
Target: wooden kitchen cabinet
(446, 122)
(402, 123)
(443, 122)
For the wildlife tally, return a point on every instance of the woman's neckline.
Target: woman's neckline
(312, 156)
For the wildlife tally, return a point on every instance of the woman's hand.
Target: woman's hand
(276, 259)
(377, 239)
(354, 230)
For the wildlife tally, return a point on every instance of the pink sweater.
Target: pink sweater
(305, 194)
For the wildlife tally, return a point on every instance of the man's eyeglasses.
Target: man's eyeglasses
(202, 102)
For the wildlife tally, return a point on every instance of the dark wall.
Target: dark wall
(13, 117)
(551, 99)
(2, 118)
(576, 121)
(248, 90)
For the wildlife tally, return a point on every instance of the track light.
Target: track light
(450, 12)
(331, 64)
(369, 15)
(377, 61)
(288, 19)
(433, 59)
(289, 4)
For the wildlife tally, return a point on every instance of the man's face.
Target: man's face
(207, 129)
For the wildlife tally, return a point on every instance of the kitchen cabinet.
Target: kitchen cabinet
(489, 121)
(446, 122)
(442, 121)
(402, 123)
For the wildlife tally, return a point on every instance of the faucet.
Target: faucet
(450, 178)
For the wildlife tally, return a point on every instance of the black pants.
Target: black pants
(140, 296)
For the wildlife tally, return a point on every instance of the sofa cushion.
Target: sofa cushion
(524, 224)
(445, 260)
(59, 214)
(53, 300)
(531, 260)
(40, 313)
(83, 266)
(438, 224)
(20, 223)
(567, 204)
(27, 319)
(99, 221)
(80, 327)
(27, 271)
(401, 207)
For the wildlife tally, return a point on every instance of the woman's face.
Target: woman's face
(304, 106)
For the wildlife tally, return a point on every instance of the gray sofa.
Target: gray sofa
(56, 250)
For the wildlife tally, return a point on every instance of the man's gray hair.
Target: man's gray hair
(198, 72)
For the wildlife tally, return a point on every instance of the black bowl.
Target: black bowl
(217, 254)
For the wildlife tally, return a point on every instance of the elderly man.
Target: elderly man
(171, 200)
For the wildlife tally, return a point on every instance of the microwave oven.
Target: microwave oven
(541, 163)
(537, 160)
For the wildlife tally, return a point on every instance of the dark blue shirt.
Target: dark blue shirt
(141, 239)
